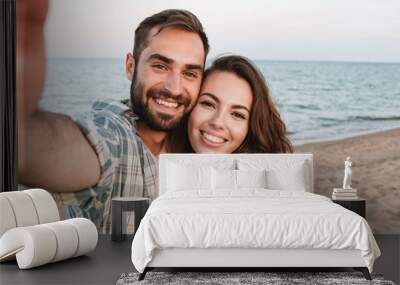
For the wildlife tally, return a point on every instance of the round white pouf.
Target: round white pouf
(23, 208)
(87, 234)
(40, 244)
(33, 246)
(45, 205)
(7, 218)
(67, 239)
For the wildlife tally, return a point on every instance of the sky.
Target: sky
(331, 30)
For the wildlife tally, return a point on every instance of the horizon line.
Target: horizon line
(254, 59)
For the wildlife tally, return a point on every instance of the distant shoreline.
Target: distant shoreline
(212, 57)
(345, 137)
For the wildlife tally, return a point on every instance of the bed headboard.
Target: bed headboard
(232, 161)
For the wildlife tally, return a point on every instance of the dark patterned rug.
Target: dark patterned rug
(273, 278)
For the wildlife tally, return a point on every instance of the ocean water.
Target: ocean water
(317, 100)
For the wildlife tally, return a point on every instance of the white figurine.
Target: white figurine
(347, 174)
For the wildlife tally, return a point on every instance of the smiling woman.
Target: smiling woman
(220, 120)
(234, 113)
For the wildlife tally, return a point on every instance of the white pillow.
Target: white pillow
(281, 174)
(291, 177)
(181, 177)
(251, 178)
(223, 179)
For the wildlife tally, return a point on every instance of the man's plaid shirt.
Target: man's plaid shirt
(128, 168)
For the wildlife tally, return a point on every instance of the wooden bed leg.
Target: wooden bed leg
(364, 271)
(143, 274)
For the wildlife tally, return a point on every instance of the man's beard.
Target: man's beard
(157, 121)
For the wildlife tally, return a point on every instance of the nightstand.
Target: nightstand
(119, 205)
(357, 205)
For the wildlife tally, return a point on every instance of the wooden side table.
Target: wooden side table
(357, 205)
(138, 205)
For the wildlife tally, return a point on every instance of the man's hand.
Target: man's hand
(52, 151)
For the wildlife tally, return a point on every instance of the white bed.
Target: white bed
(215, 211)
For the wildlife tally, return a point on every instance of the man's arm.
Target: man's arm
(52, 151)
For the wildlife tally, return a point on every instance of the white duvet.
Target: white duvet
(251, 218)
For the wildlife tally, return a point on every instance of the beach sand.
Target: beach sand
(376, 173)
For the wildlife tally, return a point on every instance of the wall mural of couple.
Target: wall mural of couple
(86, 149)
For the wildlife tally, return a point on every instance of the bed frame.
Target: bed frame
(249, 259)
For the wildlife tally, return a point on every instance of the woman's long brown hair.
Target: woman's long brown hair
(267, 132)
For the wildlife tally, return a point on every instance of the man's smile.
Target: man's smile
(169, 104)
(166, 105)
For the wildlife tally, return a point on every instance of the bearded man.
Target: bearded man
(113, 152)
